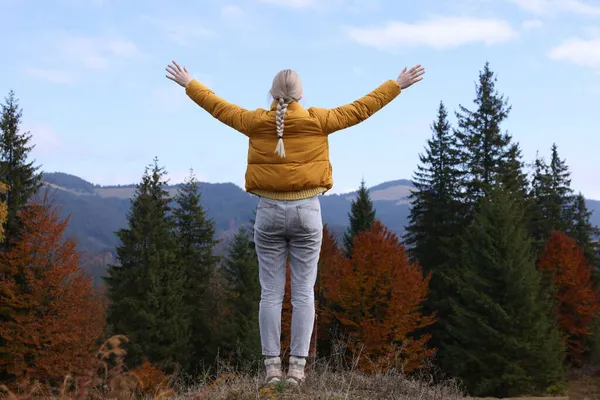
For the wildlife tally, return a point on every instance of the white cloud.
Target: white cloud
(532, 24)
(99, 52)
(581, 52)
(293, 3)
(545, 7)
(338, 6)
(232, 13)
(439, 33)
(49, 75)
(182, 31)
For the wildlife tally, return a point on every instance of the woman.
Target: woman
(288, 166)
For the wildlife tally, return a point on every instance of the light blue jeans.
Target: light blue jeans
(282, 228)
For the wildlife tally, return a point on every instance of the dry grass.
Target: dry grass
(330, 379)
(322, 382)
(107, 378)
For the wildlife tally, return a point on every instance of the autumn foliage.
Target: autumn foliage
(376, 299)
(3, 210)
(329, 260)
(51, 315)
(577, 300)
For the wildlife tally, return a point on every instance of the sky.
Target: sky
(90, 77)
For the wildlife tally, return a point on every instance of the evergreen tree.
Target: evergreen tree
(195, 238)
(552, 197)
(16, 170)
(362, 217)
(242, 293)
(488, 155)
(434, 220)
(146, 291)
(504, 341)
(541, 194)
(584, 233)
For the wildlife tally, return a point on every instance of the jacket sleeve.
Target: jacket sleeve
(343, 117)
(235, 116)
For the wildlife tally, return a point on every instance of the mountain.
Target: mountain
(96, 212)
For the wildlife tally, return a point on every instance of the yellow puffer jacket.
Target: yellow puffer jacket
(306, 170)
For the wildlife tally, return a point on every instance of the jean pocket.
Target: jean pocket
(266, 217)
(309, 219)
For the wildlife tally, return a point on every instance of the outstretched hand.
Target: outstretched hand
(413, 75)
(179, 75)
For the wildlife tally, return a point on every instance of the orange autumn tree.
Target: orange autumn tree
(286, 312)
(330, 259)
(3, 210)
(51, 316)
(577, 300)
(329, 254)
(376, 298)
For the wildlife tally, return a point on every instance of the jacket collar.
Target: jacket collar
(294, 105)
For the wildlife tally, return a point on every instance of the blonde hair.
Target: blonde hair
(287, 87)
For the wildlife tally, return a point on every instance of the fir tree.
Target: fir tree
(195, 240)
(584, 233)
(504, 342)
(434, 217)
(242, 295)
(16, 170)
(488, 155)
(146, 291)
(552, 197)
(362, 217)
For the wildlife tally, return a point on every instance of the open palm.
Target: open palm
(179, 75)
(409, 77)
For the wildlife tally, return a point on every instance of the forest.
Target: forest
(494, 282)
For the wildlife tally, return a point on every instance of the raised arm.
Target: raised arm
(230, 114)
(343, 117)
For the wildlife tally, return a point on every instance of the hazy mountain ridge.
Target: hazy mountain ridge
(97, 212)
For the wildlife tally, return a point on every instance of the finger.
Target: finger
(404, 70)
(171, 78)
(177, 65)
(185, 69)
(171, 69)
(418, 72)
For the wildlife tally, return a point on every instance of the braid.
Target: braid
(280, 117)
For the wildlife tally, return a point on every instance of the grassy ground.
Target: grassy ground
(330, 379)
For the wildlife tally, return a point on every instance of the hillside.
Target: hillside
(96, 212)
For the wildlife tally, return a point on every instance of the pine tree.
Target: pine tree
(504, 340)
(554, 207)
(362, 217)
(434, 221)
(195, 240)
(585, 234)
(16, 170)
(242, 295)
(488, 155)
(146, 291)
(541, 224)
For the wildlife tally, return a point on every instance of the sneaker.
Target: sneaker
(273, 366)
(295, 373)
